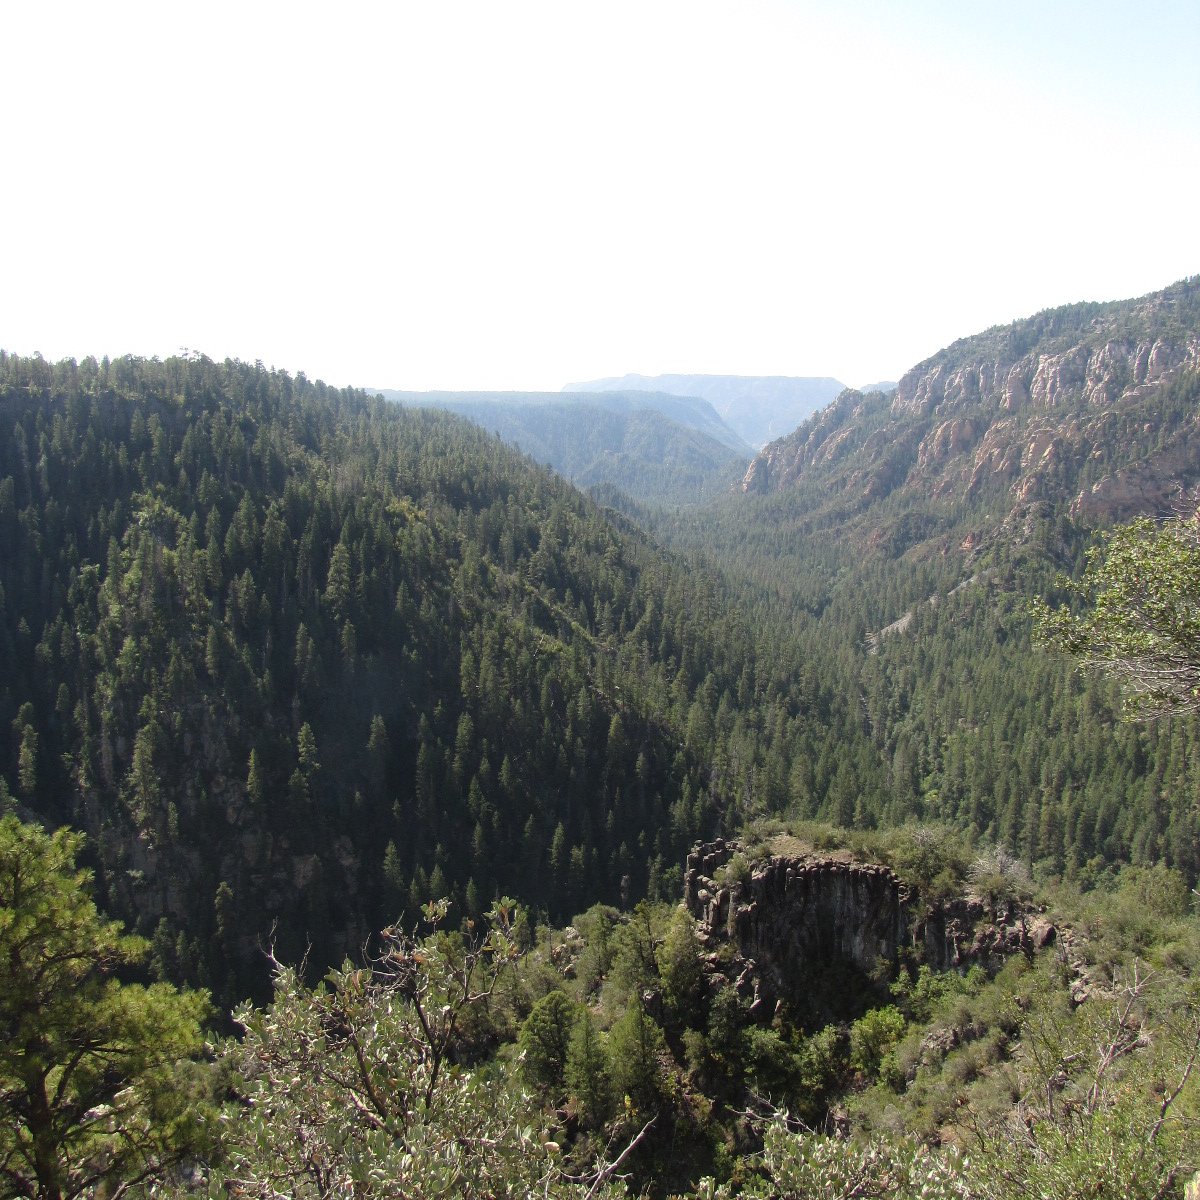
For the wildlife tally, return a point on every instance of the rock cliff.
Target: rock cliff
(791, 919)
(1091, 406)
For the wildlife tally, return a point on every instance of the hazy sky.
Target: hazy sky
(518, 195)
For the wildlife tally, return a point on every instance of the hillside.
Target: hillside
(301, 659)
(907, 535)
(286, 651)
(658, 449)
(758, 407)
(1088, 409)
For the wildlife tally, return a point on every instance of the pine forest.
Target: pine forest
(382, 815)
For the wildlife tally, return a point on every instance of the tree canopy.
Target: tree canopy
(1142, 620)
(94, 1072)
(386, 1108)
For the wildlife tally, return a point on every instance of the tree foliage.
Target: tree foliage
(268, 628)
(805, 1166)
(1105, 1104)
(1141, 620)
(545, 1040)
(95, 1085)
(361, 1086)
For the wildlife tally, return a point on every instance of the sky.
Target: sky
(517, 195)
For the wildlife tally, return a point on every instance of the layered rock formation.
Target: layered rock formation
(1094, 374)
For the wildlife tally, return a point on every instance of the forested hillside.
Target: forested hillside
(759, 407)
(1088, 407)
(293, 654)
(907, 534)
(299, 659)
(324, 676)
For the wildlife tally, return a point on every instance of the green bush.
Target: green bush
(873, 1036)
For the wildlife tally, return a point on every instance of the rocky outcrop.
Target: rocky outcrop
(964, 931)
(1144, 487)
(1089, 406)
(948, 438)
(757, 475)
(800, 910)
(1093, 373)
(789, 918)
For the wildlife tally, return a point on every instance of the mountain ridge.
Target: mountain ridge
(758, 407)
(693, 412)
(1090, 402)
(656, 448)
(308, 647)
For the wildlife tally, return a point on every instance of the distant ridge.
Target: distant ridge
(760, 408)
(692, 412)
(656, 448)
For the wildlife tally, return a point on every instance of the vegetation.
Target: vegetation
(312, 660)
(659, 449)
(96, 1087)
(1142, 620)
(1068, 1076)
(757, 407)
(926, 616)
(382, 1110)
(306, 665)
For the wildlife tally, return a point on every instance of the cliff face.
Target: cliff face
(1094, 375)
(792, 914)
(1091, 406)
(790, 919)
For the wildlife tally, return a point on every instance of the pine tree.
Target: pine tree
(545, 1040)
(95, 1090)
(586, 1073)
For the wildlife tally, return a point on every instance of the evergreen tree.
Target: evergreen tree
(545, 1040)
(586, 1073)
(96, 1091)
(636, 1049)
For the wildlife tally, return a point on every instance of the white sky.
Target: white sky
(517, 195)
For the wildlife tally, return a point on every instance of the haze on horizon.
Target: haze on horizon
(519, 196)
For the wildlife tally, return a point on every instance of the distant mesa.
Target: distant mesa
(760, 408)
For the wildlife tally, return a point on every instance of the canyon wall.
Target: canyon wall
(787, 920)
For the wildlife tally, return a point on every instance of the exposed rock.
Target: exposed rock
(789, 916)
(964, 931)
(757, 474)
(950, 437)
(1094, 374)
(1015, 392)
(1044, 409)
(936, 1044)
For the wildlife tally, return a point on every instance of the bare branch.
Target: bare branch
(606, 1173)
